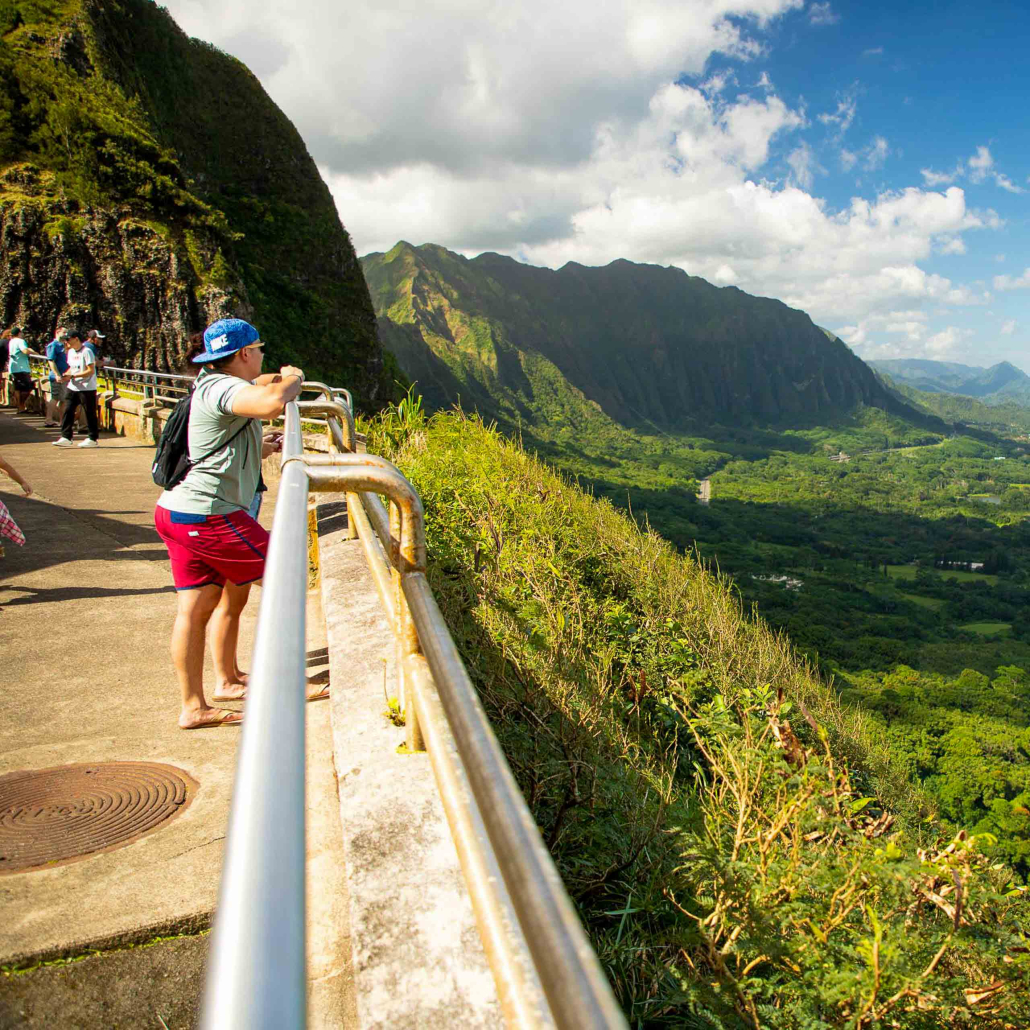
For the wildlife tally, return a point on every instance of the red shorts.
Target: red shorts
(212, 548)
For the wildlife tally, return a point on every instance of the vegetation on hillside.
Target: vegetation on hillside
(651, 347)
(135, 162)
(743, 850)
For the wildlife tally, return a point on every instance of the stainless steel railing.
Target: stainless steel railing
(546, 972)
(156, 390)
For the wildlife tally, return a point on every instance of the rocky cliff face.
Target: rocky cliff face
(149, 185)
(648, 345)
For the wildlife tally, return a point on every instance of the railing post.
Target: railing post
(407, 635)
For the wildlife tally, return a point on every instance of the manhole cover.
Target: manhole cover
(57, 815)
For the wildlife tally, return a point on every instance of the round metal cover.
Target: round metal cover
(49, 816)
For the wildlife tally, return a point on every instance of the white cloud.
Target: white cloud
(803, 166)
(873, 51)
(543, 131)
(908, 335)
(1009, 327)
(471, 86)
(951, 245)
(842, 118)
(932, 178)
(980, 168)
(822, 14)
(874, 156)
(1008, 282)
(980, 164)
(1007, 184)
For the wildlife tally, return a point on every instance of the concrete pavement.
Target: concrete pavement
(86, 607)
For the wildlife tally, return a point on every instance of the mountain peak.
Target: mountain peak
(647, 344)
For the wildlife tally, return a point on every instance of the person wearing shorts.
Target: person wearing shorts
(216, 548)
(57, 362)
(21, 372)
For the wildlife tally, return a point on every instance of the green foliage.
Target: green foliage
(648, 347)
(733, 870)
(110, 108)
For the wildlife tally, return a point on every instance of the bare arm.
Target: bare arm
(16, 476)
(269, 399)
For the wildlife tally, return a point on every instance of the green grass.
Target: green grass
(909, 572)
(987, 629)
(739, 845)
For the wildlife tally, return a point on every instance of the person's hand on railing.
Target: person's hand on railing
(271, 443)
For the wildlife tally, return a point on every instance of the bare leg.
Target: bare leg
(195, 608)
(225, 634)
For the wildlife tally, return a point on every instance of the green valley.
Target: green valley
(883, 533)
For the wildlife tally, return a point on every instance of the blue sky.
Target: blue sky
(867, 162)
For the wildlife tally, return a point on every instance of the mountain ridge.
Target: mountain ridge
(645, 344)
(1001, 383)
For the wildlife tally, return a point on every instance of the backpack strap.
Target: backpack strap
(221, 446)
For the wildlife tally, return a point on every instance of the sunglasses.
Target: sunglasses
(256, 346)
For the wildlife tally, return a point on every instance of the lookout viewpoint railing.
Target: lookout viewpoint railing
(545, 970)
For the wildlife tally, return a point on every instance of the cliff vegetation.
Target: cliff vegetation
(743, 849)
(148, 185)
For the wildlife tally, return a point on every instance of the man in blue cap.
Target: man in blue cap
(217, 549)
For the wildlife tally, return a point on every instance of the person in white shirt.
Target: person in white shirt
(81, 378)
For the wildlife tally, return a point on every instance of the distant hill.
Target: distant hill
(1000, 384)
(647, 346)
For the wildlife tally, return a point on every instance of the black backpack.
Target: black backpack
(171, 459)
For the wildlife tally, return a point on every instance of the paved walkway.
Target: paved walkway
(86, 607)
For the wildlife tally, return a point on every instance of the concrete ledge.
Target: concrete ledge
(417, 957)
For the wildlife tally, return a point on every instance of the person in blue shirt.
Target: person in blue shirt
(57, 360)
(19, 368)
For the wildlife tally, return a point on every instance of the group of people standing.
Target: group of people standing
(208, 519)
(72, 363)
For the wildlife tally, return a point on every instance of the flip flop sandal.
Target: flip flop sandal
(225, 717)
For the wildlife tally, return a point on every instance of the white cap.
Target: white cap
(97, 333)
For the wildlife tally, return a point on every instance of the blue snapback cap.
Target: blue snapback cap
(225, 337)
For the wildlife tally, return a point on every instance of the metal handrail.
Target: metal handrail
(150, 383)
(257, 972)
(546, 972)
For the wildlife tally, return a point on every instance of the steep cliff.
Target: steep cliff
(648, 345)
(148, 185)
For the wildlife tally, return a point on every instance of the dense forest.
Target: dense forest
(746, 846)
(897, 561)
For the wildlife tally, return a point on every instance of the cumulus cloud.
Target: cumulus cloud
(1009, 327)
(1009, 282)
(470, 86)
(908, 335)
(546, 132)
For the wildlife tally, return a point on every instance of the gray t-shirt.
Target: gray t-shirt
(227, 480)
